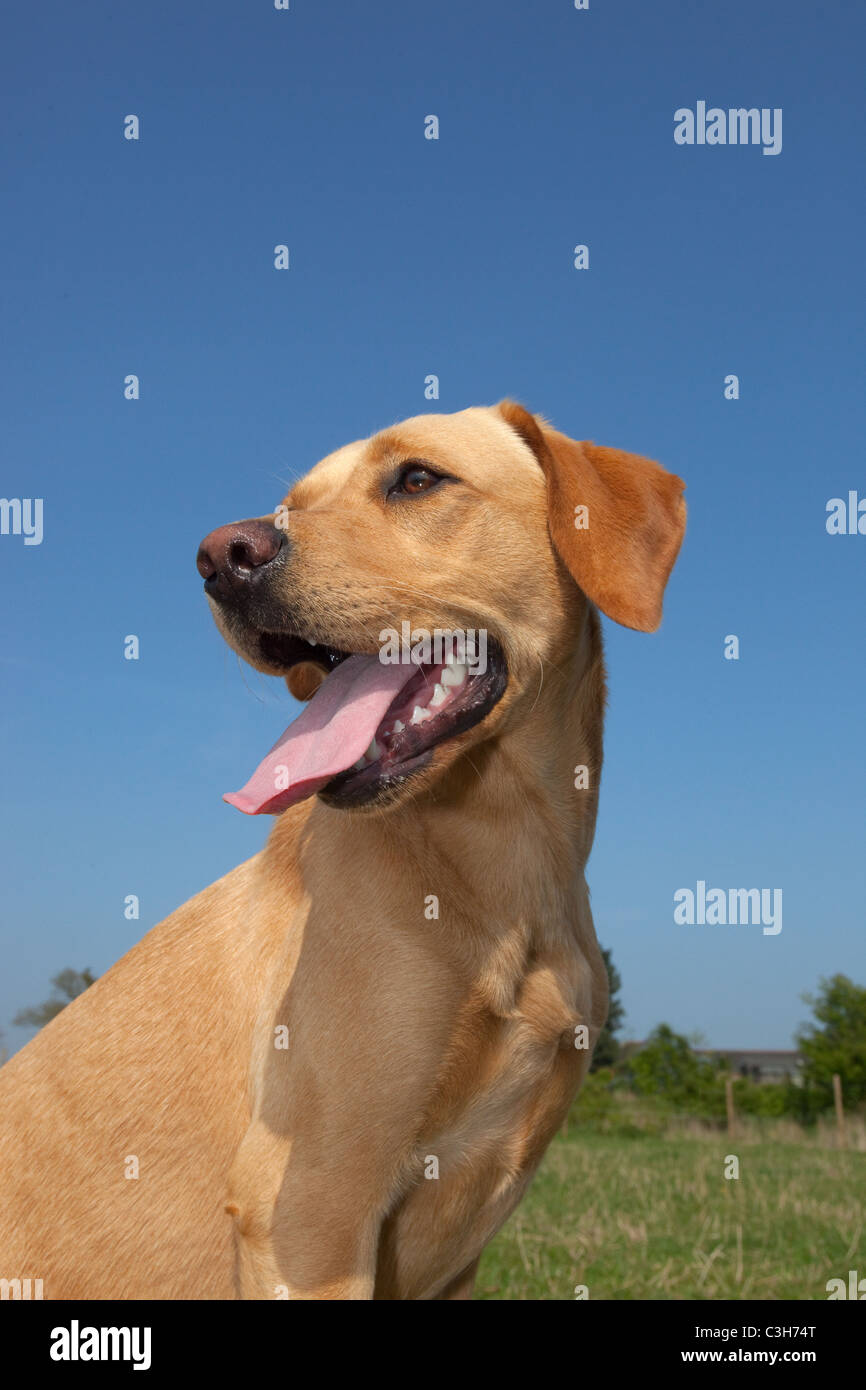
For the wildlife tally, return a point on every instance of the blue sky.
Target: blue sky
(452, 257)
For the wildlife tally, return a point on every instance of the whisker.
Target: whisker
(255, 694)
(437, 598)
(541, 680)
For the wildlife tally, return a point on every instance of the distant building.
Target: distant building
(761, 1064)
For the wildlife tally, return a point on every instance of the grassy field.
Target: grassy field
(654, 1218)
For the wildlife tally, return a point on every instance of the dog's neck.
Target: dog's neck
(504, 836)
(515, 817)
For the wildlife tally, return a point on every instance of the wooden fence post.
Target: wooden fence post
(729, 1105)
(840, 1110)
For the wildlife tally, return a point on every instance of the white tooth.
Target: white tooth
(359, 765)
(439, 694)
(398, 727)
(311, 642)
(419, 715)
(455, 675)
(372, 752)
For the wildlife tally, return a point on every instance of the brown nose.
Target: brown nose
(231, 556)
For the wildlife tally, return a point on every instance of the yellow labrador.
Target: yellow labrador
(333, 1073)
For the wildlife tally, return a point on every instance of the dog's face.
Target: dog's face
(485, 527)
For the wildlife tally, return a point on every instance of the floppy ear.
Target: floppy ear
(616, 520)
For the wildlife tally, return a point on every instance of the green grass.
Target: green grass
(651, 1217)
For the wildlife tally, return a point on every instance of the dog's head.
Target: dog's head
(416, 584)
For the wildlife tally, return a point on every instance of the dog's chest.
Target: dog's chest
(503, 1092)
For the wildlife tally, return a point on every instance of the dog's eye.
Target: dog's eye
(415, 478)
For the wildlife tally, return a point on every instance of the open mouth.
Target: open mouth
(369, 726)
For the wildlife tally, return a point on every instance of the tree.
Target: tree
(836, 1042)
(67, 985)
(607, 1049)
(666, 1067)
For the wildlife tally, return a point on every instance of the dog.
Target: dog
(333, 1073)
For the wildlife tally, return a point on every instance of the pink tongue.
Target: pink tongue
(330, 735)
